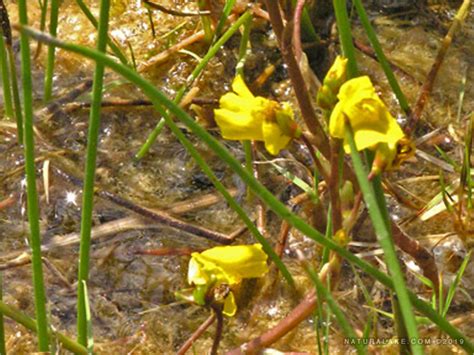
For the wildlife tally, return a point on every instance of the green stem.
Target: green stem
(110, 42)
(345, 36)
(15, 94)
(206, 22)
(347, 329)
(88, 193)
(196, 72)
(392, 80)
(31, 324)
(53, 27)
(160, 100)
(7, 94)
(381, 226)
(32, 196)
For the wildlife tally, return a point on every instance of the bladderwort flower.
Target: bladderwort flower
(243, 116)
(219, 268)
(373, 126)
(335, 77)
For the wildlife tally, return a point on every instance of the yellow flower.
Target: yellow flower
(335, 77)
(242, 116)
(373, 125)
(225, 265)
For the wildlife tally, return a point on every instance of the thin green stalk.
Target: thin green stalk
(110, 42)
(90, 338)
(364, 19)
(467, 178)
(7, 94)
(244, 46)
(53, 30)
(327, 234)
(32, 196)
(30, 324)
(196, 72)
(229, 5)
(206, 22)
(160, 100)
(385, 239)
(16, 95)
(88, 193)
(345, 36)
(3, 348)
(336, 310)
(43, 4)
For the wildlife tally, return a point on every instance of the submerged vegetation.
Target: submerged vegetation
(236, 176)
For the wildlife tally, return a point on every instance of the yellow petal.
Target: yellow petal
(228, 264)
(240, 88)
(196, 274)
(370, 119)
(274, 138)
(238, 125)
(230, 307)
(337, 74)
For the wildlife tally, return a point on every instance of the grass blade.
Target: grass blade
(345, 36)
(338, 313)
(53, 29)
(110, 42)
(32, 196)
(392, 80)
(31, 324)
(196, 72)
(455, 284)
(88, 192)
(7, 94)
(385, 239)
(90, 338)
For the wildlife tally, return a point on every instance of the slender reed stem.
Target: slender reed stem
(32, 196)
(31, 324)
(195, 73)
(345, 36)
(88, 194)
(110, 42)
(381, 226)
(364, 19)
(7, 95)
(53, 27)
(16, 94)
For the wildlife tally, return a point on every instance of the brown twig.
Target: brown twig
(299, 85)
(155, 215)
(427, 87)
(291, 321)
(199, 331)
(423, 257)
(297, 29)
(219, 329)
(168, 11)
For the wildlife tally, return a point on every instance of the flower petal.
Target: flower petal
(240, 88)
(274, 138)
(238, 125)
(230, 307)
